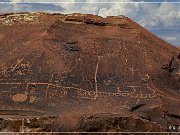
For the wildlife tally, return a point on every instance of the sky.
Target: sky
(161, 17)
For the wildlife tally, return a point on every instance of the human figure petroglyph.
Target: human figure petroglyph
(50, 63)
(126, 61)
(133, 70)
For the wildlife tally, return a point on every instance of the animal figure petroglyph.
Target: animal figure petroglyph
(146, 78)
(53, 88)
(109, 82)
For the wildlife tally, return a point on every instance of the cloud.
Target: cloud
(29, 7)
(167, 16)
(171, 36)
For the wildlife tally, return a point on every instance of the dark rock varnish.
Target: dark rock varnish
(80, 72)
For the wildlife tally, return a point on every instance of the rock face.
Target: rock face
(80, 72)
(174, 67)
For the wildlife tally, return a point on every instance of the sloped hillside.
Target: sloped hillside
(81, 72)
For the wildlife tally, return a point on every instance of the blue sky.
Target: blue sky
(162, 18)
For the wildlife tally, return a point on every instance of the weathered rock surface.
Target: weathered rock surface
(85, 73)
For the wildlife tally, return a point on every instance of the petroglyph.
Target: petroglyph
(146, 78)
(55, 92)
(90, 94)
(20, 73)
(133, 70)
(153, 90)
(30, 83)
(49, 84)
(16, 70)
(33, 99)
(4, 70)
(134, 88)
(35, 57)
(25, 65)
(14, 51)
(17, 63)
(50, 63)
(109, 82)
(54, 89)
(121, 90)
(95, 77)
(145, 96)
(126, 61)
(19, 97)
(58, 67)
(60, 91)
